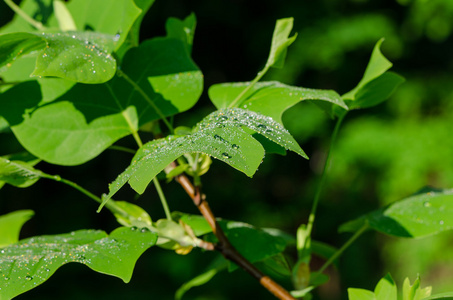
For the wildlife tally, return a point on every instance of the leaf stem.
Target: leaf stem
(123, 149)
(146, 97)
(23, 15)
(343, 248)
(111, 205)
(162, 198)
(252, 83)
(311, 218)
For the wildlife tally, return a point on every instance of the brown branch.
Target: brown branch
(224, 246)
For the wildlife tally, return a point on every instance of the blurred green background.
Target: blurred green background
(382, 154)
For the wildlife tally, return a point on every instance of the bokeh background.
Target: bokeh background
(383, 154)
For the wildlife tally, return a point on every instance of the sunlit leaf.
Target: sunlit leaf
(416, 216)
(14, 45)
(377, 65)
(280, 43)
(360, 294)
(18, 173)
(32, 261)
(415, 292)
(219, 135)
(10, 226)
(269, 98)
(63, 16)
(386, 289)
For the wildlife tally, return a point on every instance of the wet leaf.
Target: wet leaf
(32, 261)
(269, 98)
(416, 216)
(10, 226)
(219, 135)
(14, 45)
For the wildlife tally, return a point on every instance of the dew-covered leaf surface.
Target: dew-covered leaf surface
(78, 56)
(11, 224)
(269, 98)
(220, 135)
(32, 261)
(417, 216)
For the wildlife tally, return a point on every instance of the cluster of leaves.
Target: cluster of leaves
(75, 84)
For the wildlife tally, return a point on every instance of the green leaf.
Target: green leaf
(10, 226)
(136, 216)
(26, 264)
(183, 30)
(63, 16)
(269, 98)
(219, 135)
(280, 43)
(78, 56)
(106, 16)
(254, 244)
(85, 120)
(360, 294)
(417, 216)
(41, 10)
(197, 281)
(18, 173)
(376, 91)
(377, 65)
(445, 296)
(414, 292)
(386, 289)
(14, 45)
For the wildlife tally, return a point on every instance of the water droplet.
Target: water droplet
(3, 251)
(144, 229)
(133, 228)
(28, 278)
(6, 278)
(226, 155)
(441, 222)
(47, 270)
(427, 204)
(235, 146)
(262, 127)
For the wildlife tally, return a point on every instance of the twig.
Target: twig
(224, 246)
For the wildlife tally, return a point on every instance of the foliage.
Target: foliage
(74, 84)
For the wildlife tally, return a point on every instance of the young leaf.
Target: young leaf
(32, 261)
(183, 30)
(417, 216)
(386, 289)
(219, 135)
(415, 292)
(10, 226)
(360, 294)
(280, 43)
(18, 173)
(136, 216)
(197, 281)
(269, 98)
(377, 65)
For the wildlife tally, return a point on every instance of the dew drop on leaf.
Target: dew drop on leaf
(28, 278)
(226, 155)
(235, 147)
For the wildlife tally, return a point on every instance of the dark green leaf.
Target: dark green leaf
(376, 91)
(219, 135)
(269, 98)
(417, 216)
(32, 261)
(183, 30)
(10, 226)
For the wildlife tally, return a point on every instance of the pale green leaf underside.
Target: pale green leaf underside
(269, 98)
(18, 173)
(32, 261)
(10, 226)
(280, 43)
(417, 216)
(219, 135)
